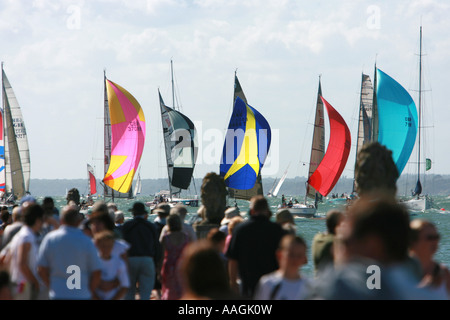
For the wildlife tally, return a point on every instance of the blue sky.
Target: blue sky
(55, 53)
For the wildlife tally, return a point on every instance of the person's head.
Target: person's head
(16, 214)
(27, 200)
(112, 206)
(162, 209)
(333, 219)
(174, 223)
(375, 171)
(234, 222)
(104, 241)
(33, 216)
(71, 216)
(180, 210)
(48, 204)
(100, 221)
(138, 210)
(378, 229)
(119, 217)
(291, 253)
(5, 216)
(203, 271)
(217, 238)
(284, 216)
(424, 238)
(229, 214)
(259, 206)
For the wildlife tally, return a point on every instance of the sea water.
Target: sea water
(308, 227)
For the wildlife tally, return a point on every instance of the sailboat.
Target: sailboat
(181, 147)
(14, 150)
(245, 149)
(420, 202)
(325, 168)
(92, 181)
(138, 186)
(124, 140)
(275, 189)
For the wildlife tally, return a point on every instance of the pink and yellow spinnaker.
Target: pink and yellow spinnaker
(127, 137)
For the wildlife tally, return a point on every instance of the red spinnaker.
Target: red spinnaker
(330, 168)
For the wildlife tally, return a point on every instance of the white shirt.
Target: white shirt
(111, 269)
(25, 235)
(274, 286)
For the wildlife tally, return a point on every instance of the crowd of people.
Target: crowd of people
(371, 249)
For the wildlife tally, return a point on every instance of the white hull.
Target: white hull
(300, 210)
(421, 204)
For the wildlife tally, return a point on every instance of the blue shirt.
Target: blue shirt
(71, 257)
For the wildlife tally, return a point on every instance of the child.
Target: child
(286, 283)
(114, 269)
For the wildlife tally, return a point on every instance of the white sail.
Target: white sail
(138, 186)
(280, 183)
(17, 155)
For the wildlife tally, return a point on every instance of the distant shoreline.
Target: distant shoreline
(433, 184)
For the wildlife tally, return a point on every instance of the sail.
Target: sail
(365, 113)
(246, 146)
(397, 118)
(318, 143)
(127, 137)
(364, 134)
(280, 183)
(330, 168)
(180, 140)
(2, 156)
(138, 186)
(92, 180)
(17, 155)
(257, 189)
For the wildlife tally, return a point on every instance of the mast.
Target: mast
(107, 138)
(359, 127)
(375, 107)
(418, 190)
(173, 85)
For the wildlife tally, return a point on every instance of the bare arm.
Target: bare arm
(24, 267)
(95, 280)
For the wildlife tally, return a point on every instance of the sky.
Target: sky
(55, 53)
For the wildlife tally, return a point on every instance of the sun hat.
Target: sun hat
(230, 213)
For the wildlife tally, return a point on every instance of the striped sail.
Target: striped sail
(127, 127)
(397, 118)
(257, 188)
(180, 140)
(17, 155)
(333, 163)
(318, 143)
(246, 146)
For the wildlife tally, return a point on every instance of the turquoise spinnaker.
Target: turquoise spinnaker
(397, 119)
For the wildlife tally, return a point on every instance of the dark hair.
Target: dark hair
(375, 170)
(216, 236)
(174, 222)
(103, 217)
(4, 216)
(288, 239)
(32, 213)
(386, 219)
(203, 271)
(260, 205)
(334, 217)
